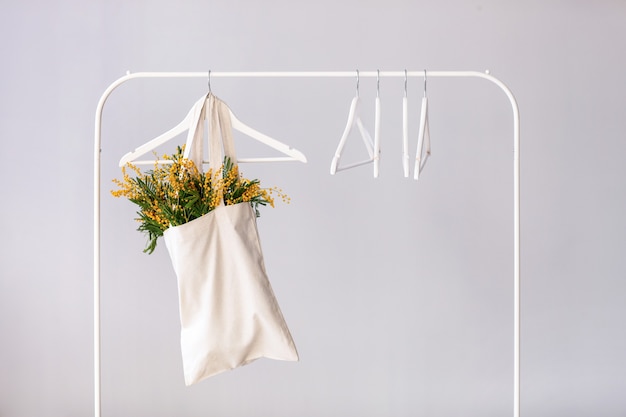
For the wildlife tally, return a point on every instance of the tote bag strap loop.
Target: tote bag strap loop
(193, 144)
(220, 133)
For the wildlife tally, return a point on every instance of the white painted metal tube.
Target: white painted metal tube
(312, 74)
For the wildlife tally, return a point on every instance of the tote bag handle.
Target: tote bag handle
(220, 138)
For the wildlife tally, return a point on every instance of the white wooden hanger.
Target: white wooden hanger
(405, 128)
(423, 139)
(292, 154)
(373, 148)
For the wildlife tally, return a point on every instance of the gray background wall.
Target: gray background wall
(398, 294)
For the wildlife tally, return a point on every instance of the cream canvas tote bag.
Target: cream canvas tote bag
(228, 312)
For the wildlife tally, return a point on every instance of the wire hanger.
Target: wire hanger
(405, 127)
(423, 140)
(184, 125)
(372, 147)
(377, 127)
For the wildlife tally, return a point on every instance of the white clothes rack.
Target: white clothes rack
(313, 74)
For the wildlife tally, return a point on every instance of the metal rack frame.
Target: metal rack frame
(311, 74)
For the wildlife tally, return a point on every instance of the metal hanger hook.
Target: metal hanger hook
(377, 83)
(424, 83)
(209, 82)
(357, 83)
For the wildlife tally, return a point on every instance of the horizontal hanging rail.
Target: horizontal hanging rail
(313, 74)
